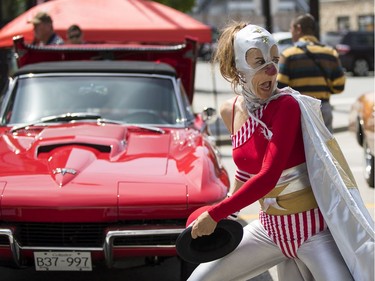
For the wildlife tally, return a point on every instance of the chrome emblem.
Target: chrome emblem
(64, 171)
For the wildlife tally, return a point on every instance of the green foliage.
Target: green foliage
(181, 5)
(12, 8)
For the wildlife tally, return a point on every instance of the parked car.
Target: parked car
(355, 48)
(361, 122)
(283, 39)
(103, 158)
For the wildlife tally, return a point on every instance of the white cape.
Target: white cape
(336, 191)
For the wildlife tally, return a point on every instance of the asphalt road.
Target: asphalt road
(206, 85)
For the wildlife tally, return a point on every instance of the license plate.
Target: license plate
(62, 261)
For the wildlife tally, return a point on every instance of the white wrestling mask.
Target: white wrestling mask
(253, 36)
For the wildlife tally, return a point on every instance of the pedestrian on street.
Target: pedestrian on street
(310, 67)
(44, 33)
(294, 185)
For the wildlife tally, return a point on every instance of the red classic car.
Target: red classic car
(361, 122)
(103, 158)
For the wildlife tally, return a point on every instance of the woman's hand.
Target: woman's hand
(203, 225)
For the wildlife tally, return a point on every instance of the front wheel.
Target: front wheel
(361, 67)
(359, 132)
(369, 165)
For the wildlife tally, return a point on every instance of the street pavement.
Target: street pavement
(212, 90)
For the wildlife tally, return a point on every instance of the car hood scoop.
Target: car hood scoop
(106, 139)
(70, 153)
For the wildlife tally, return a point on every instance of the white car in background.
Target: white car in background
(284, 40)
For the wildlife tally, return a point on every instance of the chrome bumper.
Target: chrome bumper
(107, 248)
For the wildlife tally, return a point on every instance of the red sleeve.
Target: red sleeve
(286, 127)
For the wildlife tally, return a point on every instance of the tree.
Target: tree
(183, 6)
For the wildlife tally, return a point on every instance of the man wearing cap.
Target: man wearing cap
(310, 67)
(43, 30)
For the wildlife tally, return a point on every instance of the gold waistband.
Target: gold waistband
(296, 202)
(292, 194)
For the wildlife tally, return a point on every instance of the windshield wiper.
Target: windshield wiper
(110, 121)
(66, 117)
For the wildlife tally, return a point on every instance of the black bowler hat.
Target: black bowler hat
(226, 237)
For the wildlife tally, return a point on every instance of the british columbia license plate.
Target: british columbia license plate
(62, 261)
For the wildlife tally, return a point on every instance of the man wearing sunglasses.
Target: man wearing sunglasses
(74, 35)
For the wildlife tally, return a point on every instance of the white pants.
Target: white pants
(257, 253)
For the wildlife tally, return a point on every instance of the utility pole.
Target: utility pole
(266, 8)
(314, 11)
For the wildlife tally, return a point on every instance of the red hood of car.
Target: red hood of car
(108, 172)
(181, 57)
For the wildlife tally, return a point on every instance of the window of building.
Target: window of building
(241, 5)
(366, 22)
(343, 23)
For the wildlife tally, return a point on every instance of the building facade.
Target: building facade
(342, 15)
(335, 15)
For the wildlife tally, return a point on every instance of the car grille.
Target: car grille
(89, 234)
(4, 240)
(61, 234)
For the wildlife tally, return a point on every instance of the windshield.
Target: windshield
(135, 100)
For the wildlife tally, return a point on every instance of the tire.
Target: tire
(369, 165)
(359, 132)
(361, 67)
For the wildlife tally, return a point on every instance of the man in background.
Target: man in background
(310, 67)
(74, 35)
(44, 33)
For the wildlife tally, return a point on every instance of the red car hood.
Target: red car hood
(97, 173)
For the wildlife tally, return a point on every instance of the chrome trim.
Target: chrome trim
(107, 247)
(64, 171)
(62, 248)
(108, 242)
(14, 246)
